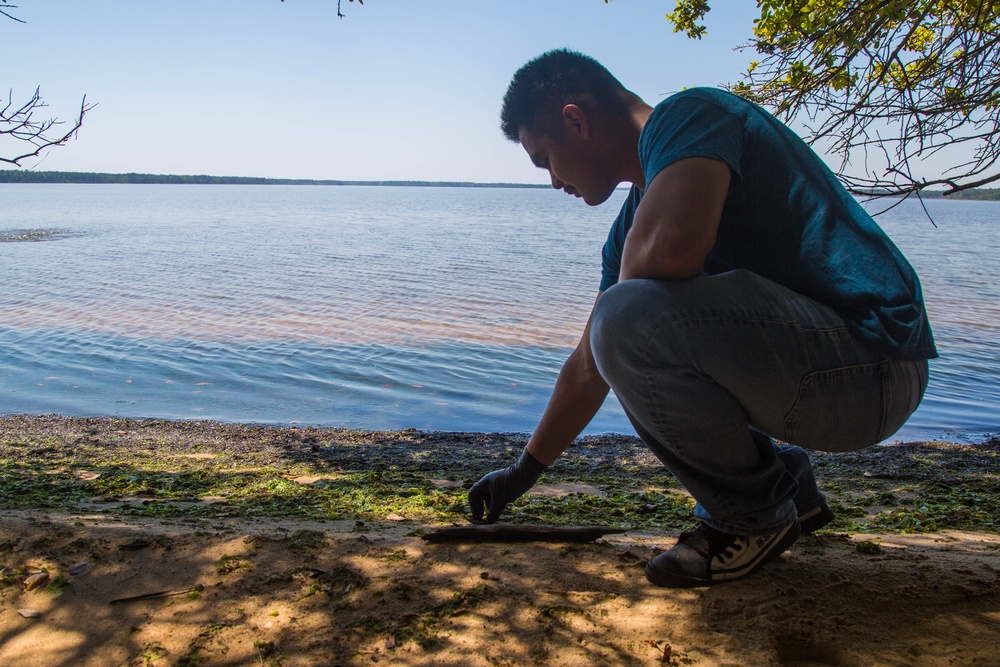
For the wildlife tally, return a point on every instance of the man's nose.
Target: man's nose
(556, 183)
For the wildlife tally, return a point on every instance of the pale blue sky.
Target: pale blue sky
(396, 90)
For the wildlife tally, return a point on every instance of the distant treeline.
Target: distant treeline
(975, 194)
(16, 176)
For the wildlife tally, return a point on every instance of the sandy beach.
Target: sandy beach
(139, 542)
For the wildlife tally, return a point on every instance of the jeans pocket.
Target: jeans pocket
(841, 409)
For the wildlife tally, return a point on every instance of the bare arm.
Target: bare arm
(578, 395)
(677, 221)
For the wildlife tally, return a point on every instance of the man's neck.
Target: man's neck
(638, 115)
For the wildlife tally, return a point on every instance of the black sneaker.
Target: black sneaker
(815, 518)
(707, 556)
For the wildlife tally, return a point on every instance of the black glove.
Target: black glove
(500, 487)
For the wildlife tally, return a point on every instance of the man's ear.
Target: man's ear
(575, 121)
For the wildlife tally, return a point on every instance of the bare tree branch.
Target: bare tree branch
(19, 124)
(340, 14)
(5, 11)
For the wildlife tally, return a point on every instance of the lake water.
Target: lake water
(376, 307)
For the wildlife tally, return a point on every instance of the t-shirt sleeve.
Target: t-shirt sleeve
(611, 256)
(687, 125)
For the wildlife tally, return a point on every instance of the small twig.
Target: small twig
(160, 594)
(4, 12)
(923, 205)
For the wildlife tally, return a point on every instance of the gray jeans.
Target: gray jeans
(709, 369)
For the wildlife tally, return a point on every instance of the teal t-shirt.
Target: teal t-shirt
(786, 218)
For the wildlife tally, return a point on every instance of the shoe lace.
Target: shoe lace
(712, 543)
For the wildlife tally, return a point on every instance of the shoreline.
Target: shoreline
(899, 486)
(201, 543)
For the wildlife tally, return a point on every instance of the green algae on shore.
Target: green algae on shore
(202, 469)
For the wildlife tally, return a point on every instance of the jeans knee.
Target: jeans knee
(616, 323)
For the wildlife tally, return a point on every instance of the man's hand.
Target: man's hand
(500, 487)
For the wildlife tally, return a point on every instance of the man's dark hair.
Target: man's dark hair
(539, 90)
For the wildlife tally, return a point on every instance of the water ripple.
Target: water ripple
(376, 307)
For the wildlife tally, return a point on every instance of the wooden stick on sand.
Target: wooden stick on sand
(500, 532)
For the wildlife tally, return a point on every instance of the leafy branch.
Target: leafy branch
(886, 85)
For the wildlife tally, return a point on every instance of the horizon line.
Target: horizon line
(97, 177)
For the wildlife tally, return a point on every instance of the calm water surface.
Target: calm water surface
(376, 307)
